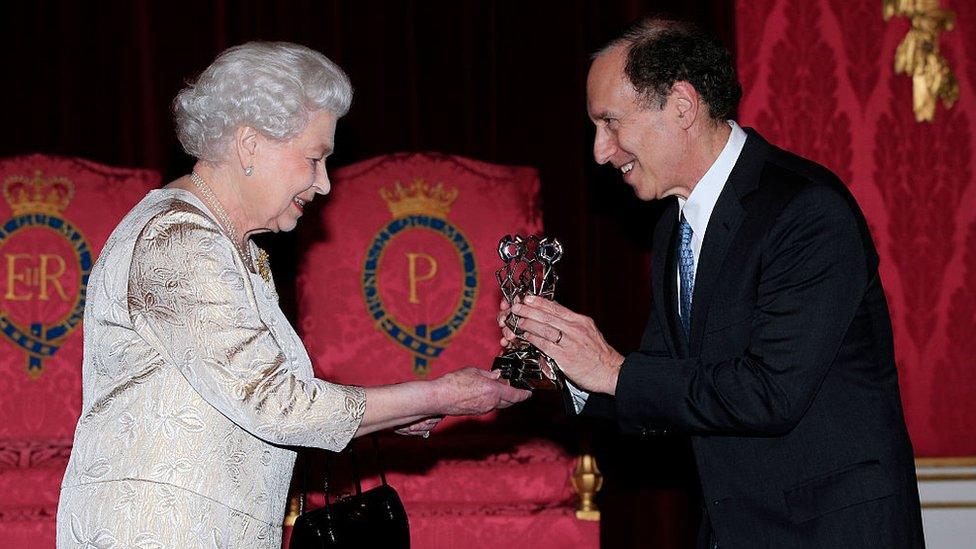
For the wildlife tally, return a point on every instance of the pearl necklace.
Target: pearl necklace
(211, 199)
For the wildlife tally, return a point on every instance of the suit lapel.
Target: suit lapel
(723, 224)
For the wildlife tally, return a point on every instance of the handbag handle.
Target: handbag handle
(376, 516)
(354, 463)
(327, 479)
(303, 497)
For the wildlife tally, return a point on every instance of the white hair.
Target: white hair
(272, 87)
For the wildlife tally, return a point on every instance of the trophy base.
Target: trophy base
(527, 373)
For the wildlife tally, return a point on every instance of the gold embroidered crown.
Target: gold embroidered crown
(419, 199)
(37, 195)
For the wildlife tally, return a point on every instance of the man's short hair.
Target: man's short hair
(661, 52)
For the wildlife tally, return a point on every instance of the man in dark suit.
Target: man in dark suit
(769, 340)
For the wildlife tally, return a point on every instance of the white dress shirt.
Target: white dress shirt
(697, 209)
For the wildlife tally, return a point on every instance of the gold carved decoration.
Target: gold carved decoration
(587, 480)
(918, 54)
(294, 510)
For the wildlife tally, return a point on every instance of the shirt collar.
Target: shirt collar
(697, 208)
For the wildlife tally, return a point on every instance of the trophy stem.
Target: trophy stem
(529, 368)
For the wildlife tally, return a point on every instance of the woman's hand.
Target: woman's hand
(421, 428)
(415, 407)
(472, 391)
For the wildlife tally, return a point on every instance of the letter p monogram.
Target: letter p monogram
(412, 258)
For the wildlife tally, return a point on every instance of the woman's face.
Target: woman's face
(288, 175)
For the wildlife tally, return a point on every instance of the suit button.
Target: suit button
(716, 502)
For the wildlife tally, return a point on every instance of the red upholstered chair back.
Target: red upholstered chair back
(55, 215)
(401, 285)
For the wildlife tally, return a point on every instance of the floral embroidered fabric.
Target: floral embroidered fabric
(195, 385)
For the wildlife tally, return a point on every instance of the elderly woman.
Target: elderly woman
(195, 384)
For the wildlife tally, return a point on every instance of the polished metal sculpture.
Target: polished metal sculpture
(528, 269)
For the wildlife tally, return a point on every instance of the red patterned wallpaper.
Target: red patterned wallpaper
(819, 80)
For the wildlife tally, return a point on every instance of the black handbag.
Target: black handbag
(374, 518)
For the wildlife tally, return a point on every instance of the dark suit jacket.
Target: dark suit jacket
(787, 382)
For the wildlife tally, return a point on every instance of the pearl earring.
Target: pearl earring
(249, 171)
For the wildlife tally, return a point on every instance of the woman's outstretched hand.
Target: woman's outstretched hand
(415, 407)
(472, 391)
(421, 428)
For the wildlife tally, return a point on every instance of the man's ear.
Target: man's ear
(686, 103)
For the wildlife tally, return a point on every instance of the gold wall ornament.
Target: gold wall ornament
(587, 480)
(918, 54)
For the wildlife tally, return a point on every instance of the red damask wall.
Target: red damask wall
(818, 80)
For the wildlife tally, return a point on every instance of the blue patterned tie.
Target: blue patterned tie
(686, 270)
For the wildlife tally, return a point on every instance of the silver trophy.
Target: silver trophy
(528, 270)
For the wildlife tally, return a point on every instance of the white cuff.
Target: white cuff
(579, 396)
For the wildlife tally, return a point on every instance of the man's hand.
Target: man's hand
(571, 339)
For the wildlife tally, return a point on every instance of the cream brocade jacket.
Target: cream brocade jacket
(195, 385)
